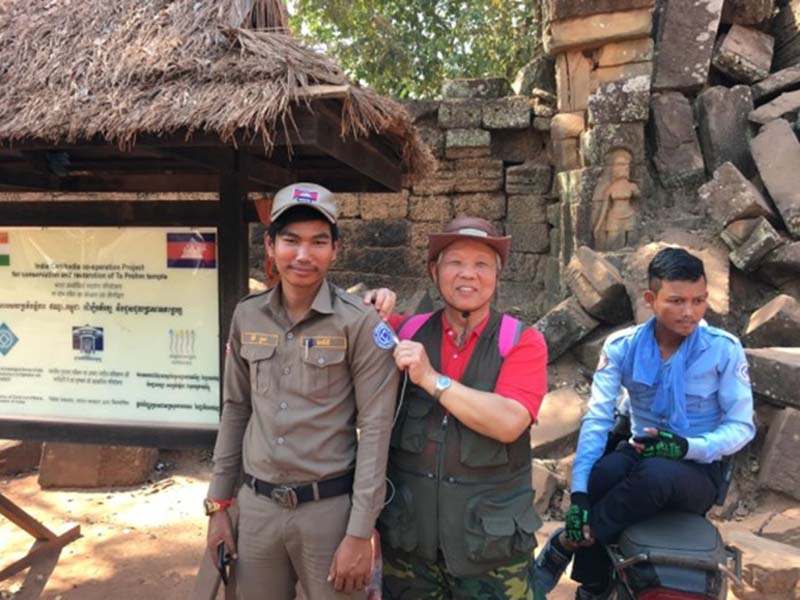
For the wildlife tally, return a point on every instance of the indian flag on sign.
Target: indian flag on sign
(5, 250)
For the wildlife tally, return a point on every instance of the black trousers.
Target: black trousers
(625, 489)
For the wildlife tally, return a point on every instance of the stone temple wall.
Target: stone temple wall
(493, 161)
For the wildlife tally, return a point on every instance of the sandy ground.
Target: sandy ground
(143, 543)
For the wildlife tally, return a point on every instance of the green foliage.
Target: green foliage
(407, 48)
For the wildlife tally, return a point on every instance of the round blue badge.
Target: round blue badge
(743, 372)
(383, 336)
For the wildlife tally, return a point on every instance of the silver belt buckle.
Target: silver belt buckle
(285, 496)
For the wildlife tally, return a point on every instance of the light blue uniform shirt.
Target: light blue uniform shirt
(719, 401)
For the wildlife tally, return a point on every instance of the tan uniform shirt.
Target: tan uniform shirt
(294, 394)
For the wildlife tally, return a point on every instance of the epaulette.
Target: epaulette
(348, 298)
(252, 295)
(615, 336)
(717, 332)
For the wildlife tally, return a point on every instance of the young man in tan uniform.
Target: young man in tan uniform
(307, 365)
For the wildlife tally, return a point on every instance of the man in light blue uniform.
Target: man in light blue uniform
(690, 405)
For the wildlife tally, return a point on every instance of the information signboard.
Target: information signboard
(110, 326)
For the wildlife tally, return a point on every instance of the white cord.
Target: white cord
(391, 496)
(402, 396)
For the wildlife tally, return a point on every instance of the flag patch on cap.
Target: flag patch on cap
(301, 195)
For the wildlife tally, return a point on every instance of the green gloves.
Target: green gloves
(577, 516)
(663, 445)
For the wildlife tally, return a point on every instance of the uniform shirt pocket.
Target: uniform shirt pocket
(701, 392)
(260, 359)
(324, 372)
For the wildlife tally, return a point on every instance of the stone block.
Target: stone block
(521, 267)
(603, 75)
(348, 206)
(747, 12)
(587, 351)
(775, 84)
(622, 53)
(620, 101)
(460, 114)
(724, 129)
(384, 206)
(558, 423)
(529, 178)
(513, 112)
(567, 125)
(763, 240)
(539, 74)
(527, 208)
(598, 286)
(777, 153)
(467, 143)
(385, 261)
(566, 154)
(441, 181)
(777, 323)
(577, 191)
(775, 374)
(785, 105)
(558, 10)
(496, 87)
(541, 124)
(573, 81)
(786, 31)
(491, 207)
(529, 237)
(745, 54)
(381, 233)
(420, 233)
(517, 145)
(780, 469)
(781, 267)
(770, 570)
(738, 232)
(433, 137)
(730, 197)
(17, 456)
(83, 465)
(685, 36)
(600, 140)
(544, 483)
(478, 175)
(678, 158)
(595, 30)
(421, 110)
(438, 209)
(783, 527)
(564, 326)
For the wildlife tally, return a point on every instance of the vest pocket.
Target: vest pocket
(397, 523)
(476, 450)
(411, 435)
(500, 528)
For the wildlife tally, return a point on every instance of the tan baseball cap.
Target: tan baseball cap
(304, 194)
(469, 228)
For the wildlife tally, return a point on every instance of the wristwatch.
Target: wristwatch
(213, 506)
(443, 382)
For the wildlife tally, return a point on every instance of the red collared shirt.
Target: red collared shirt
(523, 375)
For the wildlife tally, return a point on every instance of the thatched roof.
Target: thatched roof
(74, 70)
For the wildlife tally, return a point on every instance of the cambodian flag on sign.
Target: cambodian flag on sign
(192, 250)
(301, 195)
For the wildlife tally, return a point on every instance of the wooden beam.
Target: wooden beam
(27, 180)
(358, 154)
(195, 182)
(109, 213)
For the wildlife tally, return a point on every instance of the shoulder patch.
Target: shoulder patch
(743, 372)
(383, 336)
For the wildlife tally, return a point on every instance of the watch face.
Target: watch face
(443, 382)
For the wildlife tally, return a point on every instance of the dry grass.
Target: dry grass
(76, 69)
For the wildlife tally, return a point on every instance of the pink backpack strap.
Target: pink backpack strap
(411, 325)
(510, 330)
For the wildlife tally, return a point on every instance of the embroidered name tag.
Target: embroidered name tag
(259, 339)
(330, 342)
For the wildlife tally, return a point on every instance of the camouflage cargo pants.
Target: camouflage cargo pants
(408, 577)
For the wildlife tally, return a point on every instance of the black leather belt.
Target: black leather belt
(289, 496)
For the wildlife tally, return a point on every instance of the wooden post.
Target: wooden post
(233, 246)
(49, 541)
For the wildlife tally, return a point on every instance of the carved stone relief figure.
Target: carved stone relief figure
(614, 224)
